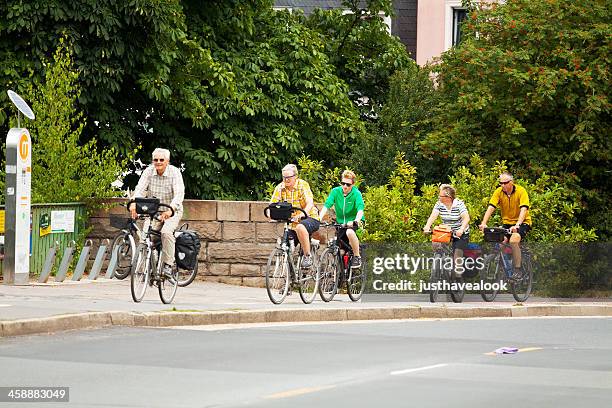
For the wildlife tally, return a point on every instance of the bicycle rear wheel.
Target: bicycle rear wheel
(328, 275)
(490, 274)
(126, 247)
(355, 284)
(308, 279)
(140, 273)
(277, 276)
(186, 276)
(167, 286)
(521, 289)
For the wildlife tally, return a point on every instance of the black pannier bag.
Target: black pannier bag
(494, 234)
(186, 249)
(147, 206)
(280, 211)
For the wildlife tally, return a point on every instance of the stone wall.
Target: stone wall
(236, 237)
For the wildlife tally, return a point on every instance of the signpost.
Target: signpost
(16, 267)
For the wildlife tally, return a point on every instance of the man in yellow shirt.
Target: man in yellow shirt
(297, 192)
(513, 201)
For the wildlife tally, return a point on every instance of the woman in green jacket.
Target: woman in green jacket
(348, 205)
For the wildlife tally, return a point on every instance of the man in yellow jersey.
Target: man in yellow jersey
(297, 192)
(514, 204)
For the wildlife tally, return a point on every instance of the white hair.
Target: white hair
(165, 153)
(291, 167)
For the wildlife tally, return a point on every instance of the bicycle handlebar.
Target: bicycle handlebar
(158, 209)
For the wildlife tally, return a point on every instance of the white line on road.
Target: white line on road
(5, 305)
(412, 370)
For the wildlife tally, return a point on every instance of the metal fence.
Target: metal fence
(68, 219)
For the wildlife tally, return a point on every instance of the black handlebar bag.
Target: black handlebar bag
(148, 206)
(280, 211)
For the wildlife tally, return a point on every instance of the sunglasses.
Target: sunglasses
(346, 184)
(288, 177)
(158, 160)
(503, 183)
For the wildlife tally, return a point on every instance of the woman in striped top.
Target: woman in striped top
(454, 213)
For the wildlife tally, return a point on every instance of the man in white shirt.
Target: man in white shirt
(164, 181)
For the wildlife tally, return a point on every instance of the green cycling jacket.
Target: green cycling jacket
(345, 207)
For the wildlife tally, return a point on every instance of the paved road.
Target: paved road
(564, 362)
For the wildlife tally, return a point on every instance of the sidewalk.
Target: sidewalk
(47, 308)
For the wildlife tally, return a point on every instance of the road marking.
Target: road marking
(298, 391)
(412, 370)
(521, 350)
(5, 305)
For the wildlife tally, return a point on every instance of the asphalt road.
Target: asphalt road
(563, 362)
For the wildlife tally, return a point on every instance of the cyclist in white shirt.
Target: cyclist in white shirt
(454, 213)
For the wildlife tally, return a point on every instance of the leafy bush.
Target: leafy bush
(396, 213)
(63, 170)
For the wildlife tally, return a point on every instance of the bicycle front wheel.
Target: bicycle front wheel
(521, 289)
(140, 273)
(328, 275)
(186, 276)
(458, 293)
(355, 284)
(277, 276)
(435, 278)
(489, 276)
(309, 280)
(125, 246)
(167, 286)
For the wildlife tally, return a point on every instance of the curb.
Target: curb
(91, 320)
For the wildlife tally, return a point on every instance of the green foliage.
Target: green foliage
(404, 120)
(361, 49)
(396, 213)
(63, 170)
(530, 84)
(233, 89)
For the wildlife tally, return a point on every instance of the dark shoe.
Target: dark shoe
(356, 262)
(307, 261)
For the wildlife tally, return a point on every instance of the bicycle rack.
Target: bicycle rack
(112, 265)
(49, 262)
(97, 265)
(82, 262)
(65, 263)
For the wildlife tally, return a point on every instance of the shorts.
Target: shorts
(523, 230)
(343, 239)
(461, 243)
(312, 225)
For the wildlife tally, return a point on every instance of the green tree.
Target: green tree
(361, 49)
(234, 89)
(530, 84)
(63, 169)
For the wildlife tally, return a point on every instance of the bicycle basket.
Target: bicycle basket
(280, 211)
(494, 234)
(147, 206)
(441, 233)
(119, 222)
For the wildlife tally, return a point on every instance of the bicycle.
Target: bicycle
(124, 244)
(284, 266)
(335, 269)
(498, 267)
(441, 273)
(147, 266)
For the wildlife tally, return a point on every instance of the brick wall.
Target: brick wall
(236, 238)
